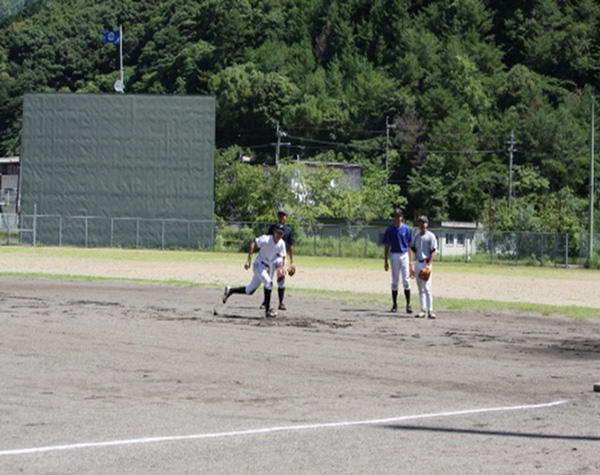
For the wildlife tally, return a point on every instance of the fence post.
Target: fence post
(112, 229)
(541, 249)
(567, 250)
(339, 242)
(162, 235)
(517, 248)
(137, 232)
(86, 230)
(34, 238)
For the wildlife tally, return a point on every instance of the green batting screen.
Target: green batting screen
(120, 170)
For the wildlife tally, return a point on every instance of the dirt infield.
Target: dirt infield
(513, 286)
(324, 388)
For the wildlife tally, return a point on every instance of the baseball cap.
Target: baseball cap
(278, 228)
(283, 211)
(422, 219)
(397, 212)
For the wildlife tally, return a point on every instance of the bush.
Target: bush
(229, 238)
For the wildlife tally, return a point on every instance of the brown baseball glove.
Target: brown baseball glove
(425, 273)
(292, 270)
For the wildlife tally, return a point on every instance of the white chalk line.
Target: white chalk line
(268, 430)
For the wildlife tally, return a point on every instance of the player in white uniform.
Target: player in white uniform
(271, 258)
(424, 245)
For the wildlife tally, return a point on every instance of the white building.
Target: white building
(456, 238)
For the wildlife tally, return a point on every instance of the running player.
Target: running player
(271, 256)
(397, 239)
(288, 238)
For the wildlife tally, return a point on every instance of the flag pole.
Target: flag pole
(121, 54)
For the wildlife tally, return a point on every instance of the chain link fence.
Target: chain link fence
(335, 240)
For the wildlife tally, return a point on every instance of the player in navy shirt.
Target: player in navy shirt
(288, 238)
(397, 239)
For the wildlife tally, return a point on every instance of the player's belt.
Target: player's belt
(422, 260)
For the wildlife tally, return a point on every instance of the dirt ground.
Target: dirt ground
(98, 368)
(516, 286)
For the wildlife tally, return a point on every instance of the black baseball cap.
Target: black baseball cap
(283, 211)
(397, 212)
(278, 228)
(422, 219)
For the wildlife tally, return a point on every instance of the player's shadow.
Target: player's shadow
(236, 316)
(374, 313)
(532, 435)
(236, 313)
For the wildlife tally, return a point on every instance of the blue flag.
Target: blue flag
(112, 37)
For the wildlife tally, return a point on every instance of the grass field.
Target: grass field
(108, 264)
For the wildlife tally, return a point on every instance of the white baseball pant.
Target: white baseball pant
(263, 274)
(425, 295)
(400, 265)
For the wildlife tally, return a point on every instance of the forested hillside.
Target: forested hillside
(454, 78)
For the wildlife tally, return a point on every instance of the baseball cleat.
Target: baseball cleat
(271, 313)
(282, 306)
(408, 309)
(431, 315)
(263, 306)
(226, 294)
(421, 315)
(394, 309)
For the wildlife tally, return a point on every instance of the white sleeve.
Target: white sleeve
(262, 240)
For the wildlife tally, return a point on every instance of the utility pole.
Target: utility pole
(280, 133)
(592, 157)
(511, 149)
(388, 126)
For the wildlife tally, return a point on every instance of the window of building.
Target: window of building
(460, 239)
(449, 239)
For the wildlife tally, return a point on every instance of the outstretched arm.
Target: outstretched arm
(249, 260)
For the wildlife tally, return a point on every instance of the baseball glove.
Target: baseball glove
(292, 270)
(425, 273)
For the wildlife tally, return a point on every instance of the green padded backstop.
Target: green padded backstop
(146, 161)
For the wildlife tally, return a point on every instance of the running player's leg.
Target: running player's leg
(266, 277)
(248, 289)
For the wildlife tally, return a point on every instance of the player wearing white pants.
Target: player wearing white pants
(424, 245)
(425, 295)
(400, 264)
(397, 239)
(271, 256)
(263, 274)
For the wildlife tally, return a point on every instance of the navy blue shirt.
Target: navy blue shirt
(288, 235)
(399, 239)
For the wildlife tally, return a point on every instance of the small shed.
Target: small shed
(456, 238)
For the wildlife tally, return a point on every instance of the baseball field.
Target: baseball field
(124, 361)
